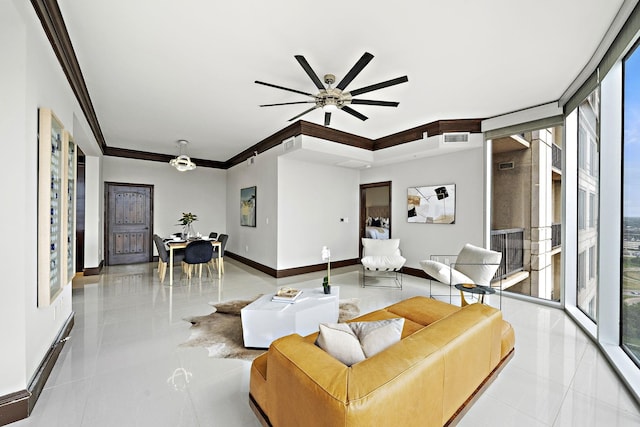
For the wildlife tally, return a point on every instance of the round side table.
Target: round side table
(473, 289)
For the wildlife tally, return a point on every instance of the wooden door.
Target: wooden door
(129, 223)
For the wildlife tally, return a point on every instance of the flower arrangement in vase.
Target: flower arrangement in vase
(186, 221)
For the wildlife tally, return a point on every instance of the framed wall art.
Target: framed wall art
(432, 204)
(56, 207)
(248, 207)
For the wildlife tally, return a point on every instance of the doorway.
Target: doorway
(129, 210)
(80, 207)
(375, 211)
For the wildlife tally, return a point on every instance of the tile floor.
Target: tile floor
(124, 366)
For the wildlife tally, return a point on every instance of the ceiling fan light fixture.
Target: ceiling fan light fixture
(330, 104)
(182, 162)
(330, 107)
(331, 98)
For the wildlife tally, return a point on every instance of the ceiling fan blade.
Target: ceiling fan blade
(284, 88)
(307, 68)
(372, 102)
(327, 118)
(303, 113)
(353, 72)
(286, 103)
(382, 85)
(354, 113)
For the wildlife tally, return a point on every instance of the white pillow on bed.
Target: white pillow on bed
(443, 273)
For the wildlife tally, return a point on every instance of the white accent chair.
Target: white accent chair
(382, 258)
(473, 264)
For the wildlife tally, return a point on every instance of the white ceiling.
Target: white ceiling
(162, 70)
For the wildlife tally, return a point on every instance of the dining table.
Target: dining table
(181, 244)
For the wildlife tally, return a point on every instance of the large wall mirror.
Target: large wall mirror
(375, 211)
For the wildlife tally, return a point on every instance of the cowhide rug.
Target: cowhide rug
(221, 331)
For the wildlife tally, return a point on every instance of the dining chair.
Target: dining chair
(163, 256)
(198, 252)
(222, 238)
(213, 235)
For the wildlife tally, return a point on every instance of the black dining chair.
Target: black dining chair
(222, 238)
(198, 252)
(213, 235)
(163, 256)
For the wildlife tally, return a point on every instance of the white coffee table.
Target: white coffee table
(263, 320)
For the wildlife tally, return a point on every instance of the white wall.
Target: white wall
(419, 241)
(202, 191)
(255, 243)
(93, 212)
(13, 138)
(32, 78)
(312, 198)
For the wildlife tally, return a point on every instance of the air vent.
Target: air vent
(288, 143)
(505, 166)
(455, 137)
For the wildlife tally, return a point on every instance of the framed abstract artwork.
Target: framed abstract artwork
(248, 206)
(56, 207)
(432, 204)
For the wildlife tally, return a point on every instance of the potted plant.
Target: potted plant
(325, 285)
(186, 221)
(326, 256)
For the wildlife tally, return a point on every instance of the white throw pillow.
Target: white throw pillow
(383, 262)
(376, 247)
(353, 342)
(443, 273)
(480, 264)
(377, 335)
(338, 340)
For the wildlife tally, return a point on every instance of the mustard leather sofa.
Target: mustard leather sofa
(445, 356)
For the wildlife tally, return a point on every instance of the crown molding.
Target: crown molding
(53, 24)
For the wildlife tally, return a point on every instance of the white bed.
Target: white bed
(377, 222)
(376, 232)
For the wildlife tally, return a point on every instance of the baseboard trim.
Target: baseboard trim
(417, 272)
(93, 271)
(46, 366)
(290, 271)
(316, 267)
(251, 263)
(14, 407)
(19, 405)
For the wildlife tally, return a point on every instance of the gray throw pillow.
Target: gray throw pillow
(353, 342)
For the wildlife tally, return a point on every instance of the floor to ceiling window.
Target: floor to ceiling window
(588, 188)
(526, 212)
(630, 310)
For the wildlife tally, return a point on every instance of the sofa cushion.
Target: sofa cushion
(421, 310)
(353, 342)
(443, 273)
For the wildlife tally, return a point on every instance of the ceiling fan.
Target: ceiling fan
(335, 98)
